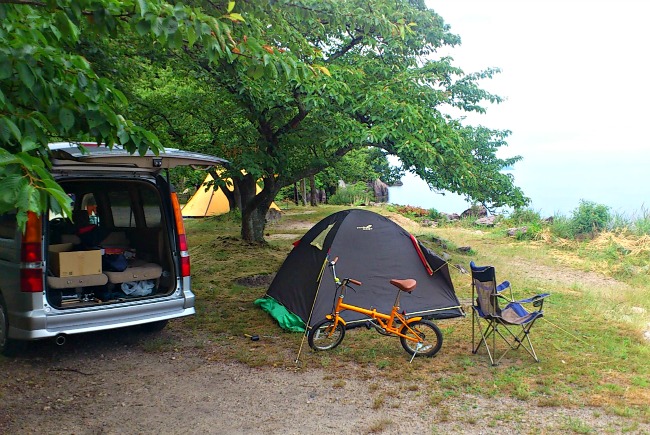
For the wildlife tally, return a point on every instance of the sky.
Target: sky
(575, 75)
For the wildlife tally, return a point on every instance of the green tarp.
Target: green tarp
(287, 320)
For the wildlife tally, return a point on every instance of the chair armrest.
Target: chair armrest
(504, 285)
(533, 299)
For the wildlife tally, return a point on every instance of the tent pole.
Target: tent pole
(320, 280)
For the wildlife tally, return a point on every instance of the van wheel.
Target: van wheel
(7, 345)
(154, 326)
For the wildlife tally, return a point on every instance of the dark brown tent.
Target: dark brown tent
(372, 249)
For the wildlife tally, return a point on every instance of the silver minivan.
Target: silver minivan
(122, 260)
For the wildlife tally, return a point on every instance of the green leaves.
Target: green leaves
(9, 131)
(26, 75)
(66, 118)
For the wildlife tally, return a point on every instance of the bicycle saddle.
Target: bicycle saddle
(406, 285)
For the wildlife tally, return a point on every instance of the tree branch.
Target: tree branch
(297, 119)
(343, 50)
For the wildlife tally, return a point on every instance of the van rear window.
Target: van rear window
(124, 216)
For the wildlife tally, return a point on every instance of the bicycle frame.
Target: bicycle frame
(385, 321)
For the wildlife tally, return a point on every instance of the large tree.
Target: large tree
(374, 78)
(282, 88)
(48, 91)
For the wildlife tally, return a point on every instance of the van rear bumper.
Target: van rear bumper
(41, 324)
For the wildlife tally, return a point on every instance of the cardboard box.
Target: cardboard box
(65, 262)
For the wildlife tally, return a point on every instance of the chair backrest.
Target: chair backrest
(485, 285)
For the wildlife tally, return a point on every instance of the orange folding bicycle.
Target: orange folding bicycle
(418, 336)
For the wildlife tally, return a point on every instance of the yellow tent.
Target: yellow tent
(211, 202)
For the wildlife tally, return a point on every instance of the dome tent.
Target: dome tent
(372, 249)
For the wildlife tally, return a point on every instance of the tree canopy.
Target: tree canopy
(282, 88)
(49, 91)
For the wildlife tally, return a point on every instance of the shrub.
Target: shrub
(434, 214)
(411, 211)
(590, 218)
(354, 194)
(562, 227)
(522, 216)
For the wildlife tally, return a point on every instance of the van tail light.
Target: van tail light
(31, 255)
(181, 237)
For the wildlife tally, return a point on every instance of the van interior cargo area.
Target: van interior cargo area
(114, 249)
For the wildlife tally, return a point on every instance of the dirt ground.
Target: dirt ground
(115, 383)
(109, 383)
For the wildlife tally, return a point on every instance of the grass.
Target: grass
(590, 343)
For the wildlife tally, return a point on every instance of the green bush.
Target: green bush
(562, 227)
(523, 216)
(590, 218)
(434, 214)
(353, 194)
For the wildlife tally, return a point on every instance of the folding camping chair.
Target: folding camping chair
(512, 323)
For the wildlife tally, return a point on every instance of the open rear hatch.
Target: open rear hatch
(67, 154)
(120, 246)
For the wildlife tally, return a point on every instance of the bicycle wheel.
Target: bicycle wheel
(323, 335)
(429, 334)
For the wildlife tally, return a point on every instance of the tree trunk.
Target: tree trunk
(312, 194)
(295, 193)
(253, 224)
(254, 207)
(236, 194)
(303, 192)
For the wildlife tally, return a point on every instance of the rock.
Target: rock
(464, 249)
(380, 189)
(512, 232)
(439, 242)
(428, 223)
(451, 217)
(477, 211)
(487, 221)
(273, 215)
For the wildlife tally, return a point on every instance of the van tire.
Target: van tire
(8, 346)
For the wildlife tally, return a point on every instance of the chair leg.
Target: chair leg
(485, 336)
(488, 338)
(517, 340)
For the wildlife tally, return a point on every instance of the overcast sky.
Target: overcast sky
(576, 79)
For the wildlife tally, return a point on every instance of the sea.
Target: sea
(555, 191)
